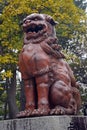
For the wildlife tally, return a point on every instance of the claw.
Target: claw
(24, 113)
(40, 112)
(52, 112)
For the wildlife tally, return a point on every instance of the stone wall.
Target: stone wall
(46, 123)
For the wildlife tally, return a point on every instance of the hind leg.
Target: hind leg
(62, 100)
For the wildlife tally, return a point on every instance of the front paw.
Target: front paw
(24, 113)
(41, 112)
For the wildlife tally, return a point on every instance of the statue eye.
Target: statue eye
(35, 19)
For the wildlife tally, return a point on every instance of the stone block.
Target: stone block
(46, 123)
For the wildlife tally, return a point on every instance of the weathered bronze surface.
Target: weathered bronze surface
(50, 86)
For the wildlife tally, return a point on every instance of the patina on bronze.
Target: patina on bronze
(50, 86)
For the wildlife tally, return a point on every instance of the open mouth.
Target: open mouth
(34, 28)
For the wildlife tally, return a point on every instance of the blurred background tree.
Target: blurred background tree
(71, 32)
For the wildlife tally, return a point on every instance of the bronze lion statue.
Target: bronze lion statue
(49, 83)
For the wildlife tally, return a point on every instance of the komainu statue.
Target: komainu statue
(49, 83)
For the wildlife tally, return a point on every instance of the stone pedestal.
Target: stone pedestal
(46, 123)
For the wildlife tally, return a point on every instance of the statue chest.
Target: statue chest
(34, 58)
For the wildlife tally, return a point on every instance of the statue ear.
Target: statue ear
(21, 22)
(50, 20)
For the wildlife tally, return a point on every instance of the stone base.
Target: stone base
(46, 123)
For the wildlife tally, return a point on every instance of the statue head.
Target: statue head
(36, 26)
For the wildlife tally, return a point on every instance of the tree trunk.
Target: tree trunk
(5, 109)
(22, 97)
(12, 97)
